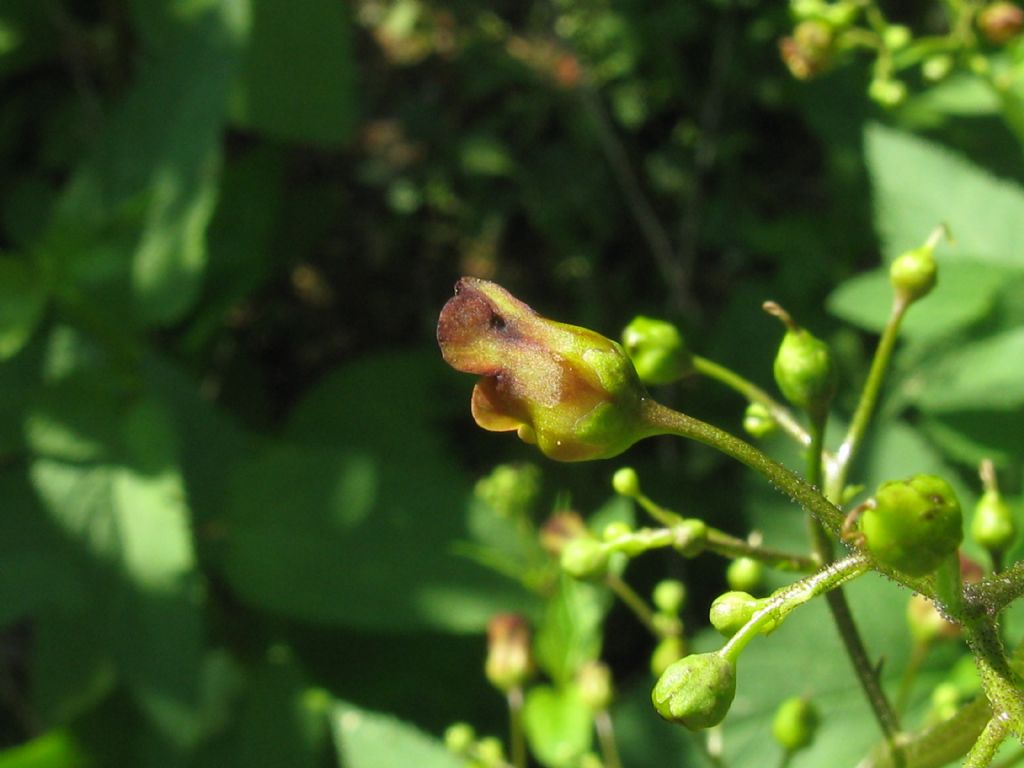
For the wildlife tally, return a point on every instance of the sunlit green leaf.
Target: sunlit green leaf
(559, 727)
(370, 740)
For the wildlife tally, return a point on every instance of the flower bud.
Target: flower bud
(657, 349)
(616, 530)
(1000, 22)
(510, 489)
(808, 51)
(626, 482)
(993, 526)
(490, 752)
(937, 67)
(584, 558)
(669, 596)
(803, 368)
(668, 651)
(744, 574)
(594, 681)
(509, 660)
(730, 611)
(795, 723)
(887, 93)
(913, 525)
(459, 738)
(896, 36)
(559, 529)
(569, 390)
(758, 421)
(696, 691)
(913, 274)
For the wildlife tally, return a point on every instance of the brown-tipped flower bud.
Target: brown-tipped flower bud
(808, 51)
(559, 529)
(1001, 22)
(569, 390)
(696, 691)
(509, 659)
(657, 349)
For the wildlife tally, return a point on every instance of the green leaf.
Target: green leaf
(130, 519)
(558, 725)
(297, 80)
(982, 375)
(22, 301)
(569, 634)
(55, 749)
(354, 520)
(919, 184)
(370, 740)
(966, 292)
(132, 221)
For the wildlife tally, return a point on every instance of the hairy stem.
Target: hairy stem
(984, 749)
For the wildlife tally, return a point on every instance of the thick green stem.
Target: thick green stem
(662, 420)
(985, 748)
(992, 594)
(1003, 688)
(839, 468)
(754, 394)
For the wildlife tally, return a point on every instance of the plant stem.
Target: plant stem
(732, 547)
(517, 738)
(984, 749)
(1002, 686)
(840, 467)
(606, 738)
(635, 603)
(995, 592)
(754, 394)
(663, 420)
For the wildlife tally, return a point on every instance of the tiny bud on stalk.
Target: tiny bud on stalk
(803, 368)
(669, 596)
(668, 651)
(657, 349)
(509, 660)
(758, 421)
(795, 724)
(744, 574)
(626, 482)
(594, 681)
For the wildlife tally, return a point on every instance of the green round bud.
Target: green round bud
(657, 349)
(758, 421)
(730, 611)
(616, 530)
(669, 596)
(913, 274)
(696, 691)
(795, 723)
(668, 651)
(744, 574)
(993, 526)
(936, 68)
(626, 482)
(490, 752)
(945, 701)
(803, 368)
(584, 558)
(594, 681)
(896, 36)
(887, 93)
(459, 738)
(913, 524)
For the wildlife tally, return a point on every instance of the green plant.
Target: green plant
(909, 530)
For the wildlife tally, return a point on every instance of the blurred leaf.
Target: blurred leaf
(558, 725)
(22, 300)
(986, 375)
(919, 184)
(969, 436)
(56, 749)
(133, 219)
(966, 292)
(297, 81)
(354, 520)
(131, 518)
(369, 740)
(570, 632)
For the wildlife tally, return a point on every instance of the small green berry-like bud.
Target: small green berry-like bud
(993, 526)
(730, 611)
(896, 36)
(569, 390)
(459, 738)
(913, 525)
(696, 691)
(795, 723)
(887, 93)
(744, 574)
(669, 596)
(594, 681)
(657, 350)
(945, 701)
(758, 421)
(936, 68)
(667, 652)
(1000, 22)
(913, 274)
(626, 482)
(509, 661)
(803, 368)
(584, 558)
(490, 752)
